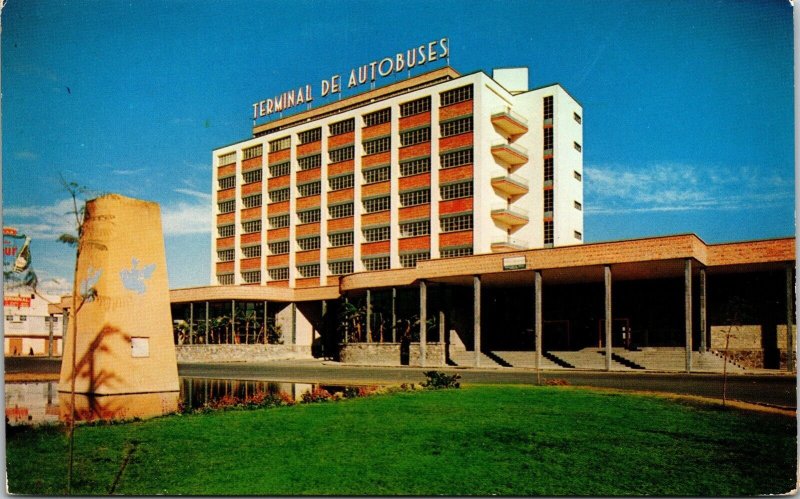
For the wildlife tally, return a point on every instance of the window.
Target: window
(251, 226)
(308, 270)
(415, 136)
(377, 204)
(380, 263)
(577, 118)
(340, 268)
(279, 169)
(340, 239)
(227, 159)
(377, 145)
(227, 182)
(278, 248)
(415, 167)
(226, 255)
(456, 95)
(577, 176)
(309, 189)
(309, 162)
(341, 210)
(455, 127)
(226, 230)
(578, 206)
(455, 252)
(252, 201)
(226, 206)
(456, 223)
(376, 234)
(308, 243)
(341, 182)
(281, 274)
(252, 176)
(374, 175)
(279, 195)
(455, 191)
(548, 139)
(280, 144)
(456, 158)
(577, 146)
(415, 198)
(548, 107)
(341, 127)
(253, 152)
(251, 276)
(415, 107)
(9, 317)
(308, 216)
(548, 232)
(378, 117)
(411, 259)
(548, 169)
(278, 222)
(251, 251)
(577, 235)
(412, 229)
(225, 279)
(548, 200)
(341, 154)
(309, 136)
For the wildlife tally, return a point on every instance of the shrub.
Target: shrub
(437, 379)
(317, 395)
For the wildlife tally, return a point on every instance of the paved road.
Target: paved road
(772, 389)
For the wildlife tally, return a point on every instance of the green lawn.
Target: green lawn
(479, 440)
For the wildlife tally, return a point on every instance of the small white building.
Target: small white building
(30, 321)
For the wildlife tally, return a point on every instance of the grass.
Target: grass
(480, 440)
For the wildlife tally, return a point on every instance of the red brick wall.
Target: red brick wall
(279, 156)
(226, 195)
(414, 120)
(277, 284)
(306, 257)
(251, 213)
(308, 202)
(306, 230)
(225, 268)
(455, 206)
(333, 280)
(376, 159)
(274, 261)
(414, 181)
(414, 151)
(414, 212)
(340, 224)
(341, 167)
(453, 174)
(310, 148)
(341, 140)
(253, 188)
(341, 196)
(418, 243)
(253, 237)
(226, 171)
(250, 264)
(308, 175)
(455, 110)
(226, 218)
(224, 242)
(278, 208)
(278, 182)
(455, 238)
(379, 248)
(455, 142)
(340, 253)
(375, 131)
(252, 163)
(375, 189)
(309, 282)
(774, 250)
(278, 234)
(381, 217)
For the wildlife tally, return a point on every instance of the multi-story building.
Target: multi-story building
(436, 166)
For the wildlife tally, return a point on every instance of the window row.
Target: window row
(415, 107)
(227, 182)
(456, 158)
(416, 136)
(411, 259)
(227, 159)
(309, 162)
(309, 136)
(341, 154)
(455, 191)
(456, 127)
(280, 144)
(415, 198)
(376, 146)
(253, 152)
(341, 182)
(227, 206)
(378, 117)
(252, 201)
(456, 95)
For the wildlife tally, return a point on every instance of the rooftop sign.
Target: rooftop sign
(367, 73)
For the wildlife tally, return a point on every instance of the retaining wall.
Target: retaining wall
(241, 353)
(389, 354)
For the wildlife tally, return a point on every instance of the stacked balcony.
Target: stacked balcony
(511, 216)
(509, 122)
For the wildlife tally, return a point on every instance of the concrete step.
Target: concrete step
(466, 358)
(525, 359)
(588, 358)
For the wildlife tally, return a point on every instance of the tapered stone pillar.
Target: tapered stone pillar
(703, 312)
(124, 342)
(790, 347)
(476, 326)
(687, 284)
(537, 281)
(609, 315)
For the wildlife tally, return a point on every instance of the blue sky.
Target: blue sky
(688, 105)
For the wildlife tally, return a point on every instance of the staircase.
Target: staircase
(674, 359)
(466, 358)
(525, 359)
(590, 358)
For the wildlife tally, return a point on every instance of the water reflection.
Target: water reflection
(40, 402)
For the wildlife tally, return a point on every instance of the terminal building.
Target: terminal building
(438, 221)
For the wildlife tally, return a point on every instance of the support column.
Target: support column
(323, 328)
(537, 282)
(609, 315)
(789, 319)
(266, 324)
(233, 328)
(294, 323)
(423, 322)
(703, 312)
(191, 323)
(687, 284)
(394, 315)
(369, 316)
(206, 323)
(50, 340)
(476, 326)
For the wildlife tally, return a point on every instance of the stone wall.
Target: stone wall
(389, 354)
(745, 337)
(241, 353)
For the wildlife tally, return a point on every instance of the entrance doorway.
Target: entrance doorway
(621, 334)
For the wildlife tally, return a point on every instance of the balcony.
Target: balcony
(509, 122)
(511, 216)
(511, 185)
(509, 244)
(511, 154)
